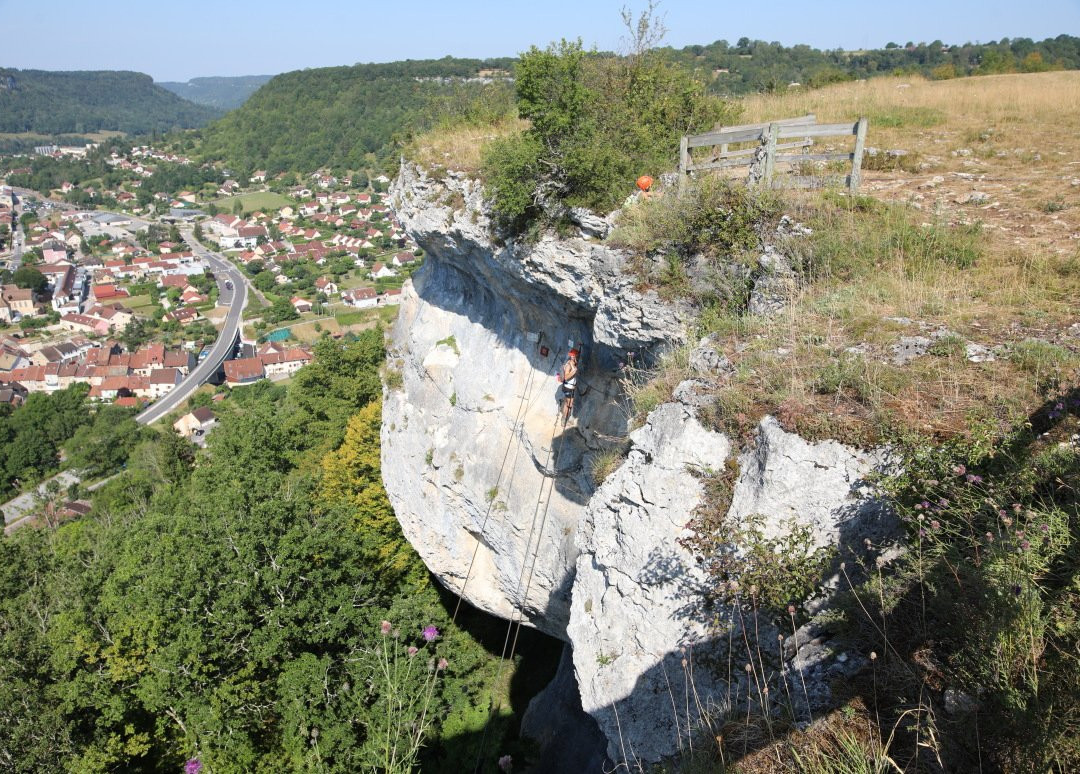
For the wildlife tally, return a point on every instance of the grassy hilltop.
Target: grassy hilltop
(936, 312)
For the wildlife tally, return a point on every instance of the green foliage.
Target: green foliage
(336, 117)
(228, 607)
(597, 123)
(984, 600)
(714, 217)
(1047, 363)
(30, 277)
(854, 238)
(102, 447)
(750, 562)
(223, 93)
(31, 435)
(89, 101)
(750, 66)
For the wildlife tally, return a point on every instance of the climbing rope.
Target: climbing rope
(514, 434)
(553, 458)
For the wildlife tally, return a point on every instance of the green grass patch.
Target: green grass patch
(383, 314)
(253, 202)
(898, 116)
(140, 303)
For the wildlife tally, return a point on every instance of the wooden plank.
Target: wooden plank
(727, 164)
(809, 118)
(797, 157)
(752, 151)
(818, 130)
(856, 157)
(770, 153)
(684, 161)
(718, 138)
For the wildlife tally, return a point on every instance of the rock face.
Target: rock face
(640, 634)
(637, 592)
(497, 495)
(486, 485)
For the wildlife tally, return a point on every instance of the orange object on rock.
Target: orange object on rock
(644, 182)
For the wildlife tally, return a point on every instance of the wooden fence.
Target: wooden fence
(766, 150)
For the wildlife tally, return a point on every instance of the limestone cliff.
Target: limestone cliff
(497, 496)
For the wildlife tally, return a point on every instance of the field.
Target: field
(366, 317)
(1015, 138)
(253, 202)
(970, 238)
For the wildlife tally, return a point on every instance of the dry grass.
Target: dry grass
(459, 148)
(995, 275)
(1015, 138)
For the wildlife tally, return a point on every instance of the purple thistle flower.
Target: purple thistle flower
(384, 627)
(959, 470)
(943, 502)
(506, 763)
(430, 633)
(935, 525)
(412, 651)
(193, 766)
(443, 664)
(922, 533)
(1044, 527)
(1024, 545)
(925, 504)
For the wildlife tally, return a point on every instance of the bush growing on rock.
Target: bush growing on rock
(596, 124)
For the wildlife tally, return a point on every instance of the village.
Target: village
(120, 299)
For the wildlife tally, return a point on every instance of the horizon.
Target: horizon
(245, 38)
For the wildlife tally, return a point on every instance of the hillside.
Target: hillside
(48, 103)
(223, 93)
(834, 478)
(337, 117)
(750, 66)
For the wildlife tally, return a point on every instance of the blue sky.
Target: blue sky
(181, 40)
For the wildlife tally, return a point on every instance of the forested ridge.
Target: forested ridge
(749, 66)
(224, 93)
(226, 605)
(336, 117)
(45, 102)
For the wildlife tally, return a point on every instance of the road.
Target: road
(20, 510)
(226, 340)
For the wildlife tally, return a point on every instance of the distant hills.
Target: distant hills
(53, 103)
(749, 66)
(342, 117)
(223, 93)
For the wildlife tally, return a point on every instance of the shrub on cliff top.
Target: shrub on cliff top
(596, 123)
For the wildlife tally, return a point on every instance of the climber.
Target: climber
(568, 377)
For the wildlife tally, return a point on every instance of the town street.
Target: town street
(235, 298)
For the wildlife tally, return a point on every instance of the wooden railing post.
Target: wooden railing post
(856, 157)
(770, 153)
(684, 162)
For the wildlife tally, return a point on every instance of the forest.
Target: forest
(252, 606)
(751, 66)
(45, 102)
(336, 117)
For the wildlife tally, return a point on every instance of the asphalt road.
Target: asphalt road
(226, 340)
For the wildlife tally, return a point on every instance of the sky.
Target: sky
(181, 40)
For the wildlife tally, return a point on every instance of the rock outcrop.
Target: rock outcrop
(497, 495)
(487, 487)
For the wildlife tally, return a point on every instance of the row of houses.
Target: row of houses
(148, 373)
(270, 361)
